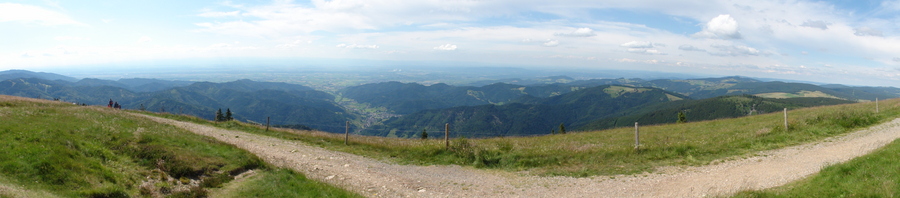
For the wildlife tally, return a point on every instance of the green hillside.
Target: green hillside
(286, 104)
(707, 109)
(15, 74)
(59, 149)
(537, 117)
(488, 110)
(408, 98)
(736, 85)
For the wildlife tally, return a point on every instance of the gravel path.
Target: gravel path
(374, 178)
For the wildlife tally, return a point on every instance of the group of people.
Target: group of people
(114, 105)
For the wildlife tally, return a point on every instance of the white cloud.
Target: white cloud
(551, 43)
(33, 14)
(896, 59)
(645, 51)
(721, 27)
(642, 47)
(687, 47)
(144, 39)
(638, 44)
(355, 46)
(580, 32)
(227, 47)
(736, 50)
(293, 44)
(816, 24)
(770, 26)
(219, 14)
(446, 47)
(866, 31)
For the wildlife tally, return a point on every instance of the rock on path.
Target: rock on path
(374, 178)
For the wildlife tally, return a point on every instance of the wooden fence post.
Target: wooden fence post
(347, 133)
(876, 105)
(785, 120)
(267, 124)
(447, 135)
(637, 139)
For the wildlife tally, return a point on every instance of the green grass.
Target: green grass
(607, 152)
(873, 175)
(268, 184)
(74, 151)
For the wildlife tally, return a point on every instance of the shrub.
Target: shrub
(216, 180)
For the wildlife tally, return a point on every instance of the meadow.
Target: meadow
(607, 152)
(59, 149)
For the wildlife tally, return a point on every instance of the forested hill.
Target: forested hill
(495, 108)
(540, 117)
(408, 98)
(16, 74)
(286, 104)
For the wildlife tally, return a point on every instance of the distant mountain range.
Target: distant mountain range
(286, 104)
(14, 74)
(507, 107)
(510, 110)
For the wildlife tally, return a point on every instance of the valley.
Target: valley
(486, 108)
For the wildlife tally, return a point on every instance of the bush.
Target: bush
(501, 156)
(106, 193)
(846, 120)
(216, 181)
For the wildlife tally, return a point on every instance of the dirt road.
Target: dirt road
(374, 178)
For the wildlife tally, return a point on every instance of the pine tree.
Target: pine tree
(228, 115)
(219, 116)
(681, 117)
(424, 134)
(562, 128)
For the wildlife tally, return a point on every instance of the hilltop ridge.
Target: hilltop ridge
(404, 109)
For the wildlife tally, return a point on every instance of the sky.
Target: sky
(853, 42)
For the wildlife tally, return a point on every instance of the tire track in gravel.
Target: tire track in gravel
(374, 178)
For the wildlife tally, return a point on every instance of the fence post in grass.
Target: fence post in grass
(785, 120)
(637, 135)
(267, 124)
(447, 135)
(876, 105)
(347, 133)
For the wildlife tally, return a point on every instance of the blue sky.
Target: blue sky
(850, 42)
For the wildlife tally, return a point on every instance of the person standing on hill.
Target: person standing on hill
(110, 105)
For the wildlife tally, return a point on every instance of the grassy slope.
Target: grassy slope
(872, 175)
(609, 152)
(74, 151)
(265, 184)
